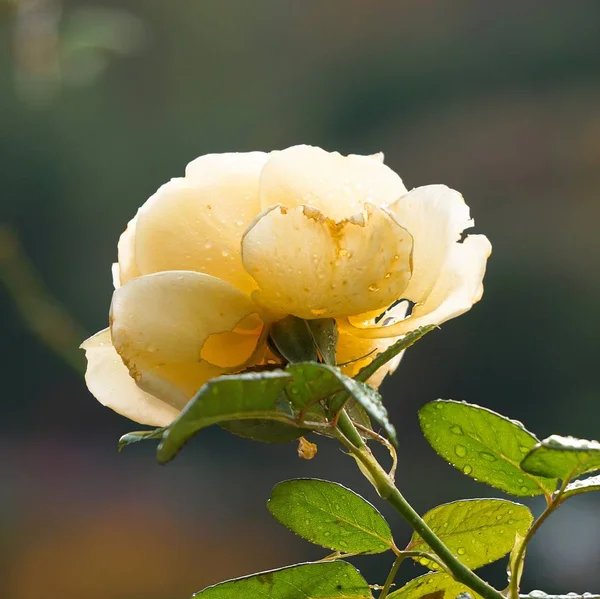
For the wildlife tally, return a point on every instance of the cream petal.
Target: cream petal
(354, 353)
(168, 317)
(109, 381)
(196, 223)
(459, 286)
(116, 275)
(128, 268)
(311, 267)
(339, 186)
(435, 216)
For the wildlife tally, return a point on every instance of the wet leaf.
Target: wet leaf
(232, 397)
(326, 580)
(432, 586)
(330, 515)
(477, 531)
(483, 445)
(587, 485)
(562, 457)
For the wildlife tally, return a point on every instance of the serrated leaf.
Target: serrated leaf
(435, 586)
(265, 431)
(232, 397)
(330, 515)
(316, 382)
(477, 531)
(392, 351)
(325, 336)
(562, 457)
(137, 436)
(587, 485)
(325, 580)
(483, 445)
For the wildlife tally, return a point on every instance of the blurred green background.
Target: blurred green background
(101, 102)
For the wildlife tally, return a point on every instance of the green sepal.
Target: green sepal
(330, 515)
(137, 436)
(325, 337)
(292, 338)
(323, 580)
(392, 351)
(483, 445)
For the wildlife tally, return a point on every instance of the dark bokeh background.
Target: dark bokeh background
(100, 104)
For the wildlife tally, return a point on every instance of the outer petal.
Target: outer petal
(339, 186)
(196, 223)
(183, 318)
(354, 353)
(435, 216)
(312, 267)
(459, 286)
(127, 266)
(109, 381)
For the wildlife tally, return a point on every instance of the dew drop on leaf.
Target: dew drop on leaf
(457, 430)
(467, 469)
(460, 451)
(488, 457)
(461, 551)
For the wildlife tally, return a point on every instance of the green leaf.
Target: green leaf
(483, 445)
(233, 397)
(433, 586)
(325, 580)
(325, 336)
(477, 531)
(562, 457)
(313, 382)
(265, 431)
(587, 485)
(291, 337)
(137, 436)
(330, 515)
(392, 351)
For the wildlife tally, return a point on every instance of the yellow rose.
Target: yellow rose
(213, 258)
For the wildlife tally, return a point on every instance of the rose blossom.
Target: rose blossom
(243, 240)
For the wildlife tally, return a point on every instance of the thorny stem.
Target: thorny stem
(386, 488)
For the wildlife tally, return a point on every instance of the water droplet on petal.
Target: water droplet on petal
(373, 288)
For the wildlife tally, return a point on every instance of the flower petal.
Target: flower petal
(435, 216)
(311, 267)
(339, 186)
(109, 381)
(354, 353)
(170, 318)
(196, 223)
(459, 286)
(128, 268)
